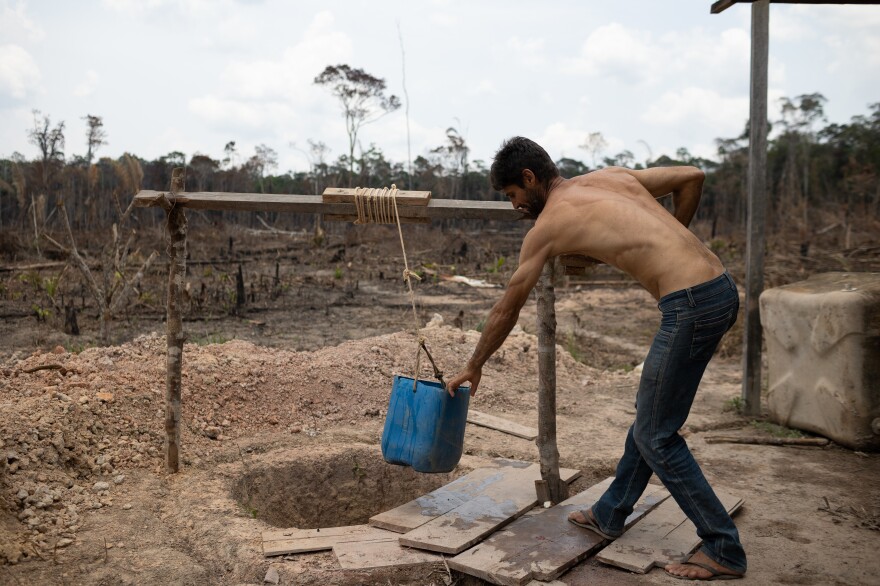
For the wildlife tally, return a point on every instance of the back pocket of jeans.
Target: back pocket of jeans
(708, 333)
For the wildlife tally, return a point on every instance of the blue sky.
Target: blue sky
(191, 75)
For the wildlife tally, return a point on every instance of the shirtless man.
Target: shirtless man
(612, 215)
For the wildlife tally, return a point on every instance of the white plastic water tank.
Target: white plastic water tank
(823, 351)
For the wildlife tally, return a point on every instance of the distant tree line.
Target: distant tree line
(813, 167)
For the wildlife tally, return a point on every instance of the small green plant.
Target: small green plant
(41, 313)
(249, 511)
(147, 297)
(208, 272)
(50, 286)
(33, 279)
(481, 325)
(776, 430)
(572, 347)
(337, 274)
(735, 404)
(499, 263)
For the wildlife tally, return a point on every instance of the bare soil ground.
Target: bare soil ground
(283, 407)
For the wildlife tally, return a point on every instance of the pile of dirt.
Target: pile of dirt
(71, 432)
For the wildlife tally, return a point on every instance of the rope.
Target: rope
(380, 206)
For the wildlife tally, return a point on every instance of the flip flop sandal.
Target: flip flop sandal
(713, 574)
(591, 525)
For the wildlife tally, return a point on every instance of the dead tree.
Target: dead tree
(112, 295)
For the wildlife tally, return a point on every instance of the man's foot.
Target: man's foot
(586, 520)
(701, 567)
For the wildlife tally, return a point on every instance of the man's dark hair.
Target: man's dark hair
(520, 153)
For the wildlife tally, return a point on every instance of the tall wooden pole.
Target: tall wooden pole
(757, 209)
(557, 490)
(175, 337)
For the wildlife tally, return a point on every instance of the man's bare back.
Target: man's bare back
(611, 216)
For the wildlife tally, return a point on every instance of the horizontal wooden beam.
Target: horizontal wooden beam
(403, 198)
(437, 209)
(722, 5)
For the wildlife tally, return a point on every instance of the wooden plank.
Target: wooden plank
(499, 424)
(545, 545)
(567, 550)
(302, 540)
(722, 5)
(419, 511)
(381, 553)
(404, 198)
(498, 504)
(273, 202)
(665, 536)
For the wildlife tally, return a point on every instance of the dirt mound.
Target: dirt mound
(76, 423)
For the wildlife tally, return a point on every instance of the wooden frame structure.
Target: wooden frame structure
(757, 188)
(176, 201)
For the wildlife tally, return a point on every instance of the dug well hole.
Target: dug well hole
(333, 487)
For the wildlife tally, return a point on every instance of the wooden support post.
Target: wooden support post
(175, 337)
(757, 207)
(547, 449)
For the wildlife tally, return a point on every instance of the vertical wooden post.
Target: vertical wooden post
(757, 210)
(556, 489)
(176, 337)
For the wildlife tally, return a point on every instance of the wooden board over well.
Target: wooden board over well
(496, 505)
(665, 536)
(286, 541)
(446, 498)
(544, 545)
(381, 553)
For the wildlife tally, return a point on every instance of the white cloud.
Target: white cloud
(444, 19)
(523, 52)
(699, 107)
(191, 8)
(841, 17)
(15, 25)
(637, 57)
(87, 86)
(19, 74)
(266, 93)
(485, 87)
(561, 140)
(613, 50)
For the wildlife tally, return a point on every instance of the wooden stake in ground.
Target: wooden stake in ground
(557, 490)
(176, 274)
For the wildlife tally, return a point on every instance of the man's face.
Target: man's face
(528, 200)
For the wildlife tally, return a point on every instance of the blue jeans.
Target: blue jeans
(693, 323)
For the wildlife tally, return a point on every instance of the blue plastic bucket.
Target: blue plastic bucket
(424, 428)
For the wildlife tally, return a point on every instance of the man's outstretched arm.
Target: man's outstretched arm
(684, 183)
(505, 313)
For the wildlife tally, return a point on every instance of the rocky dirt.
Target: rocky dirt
(281, 426)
